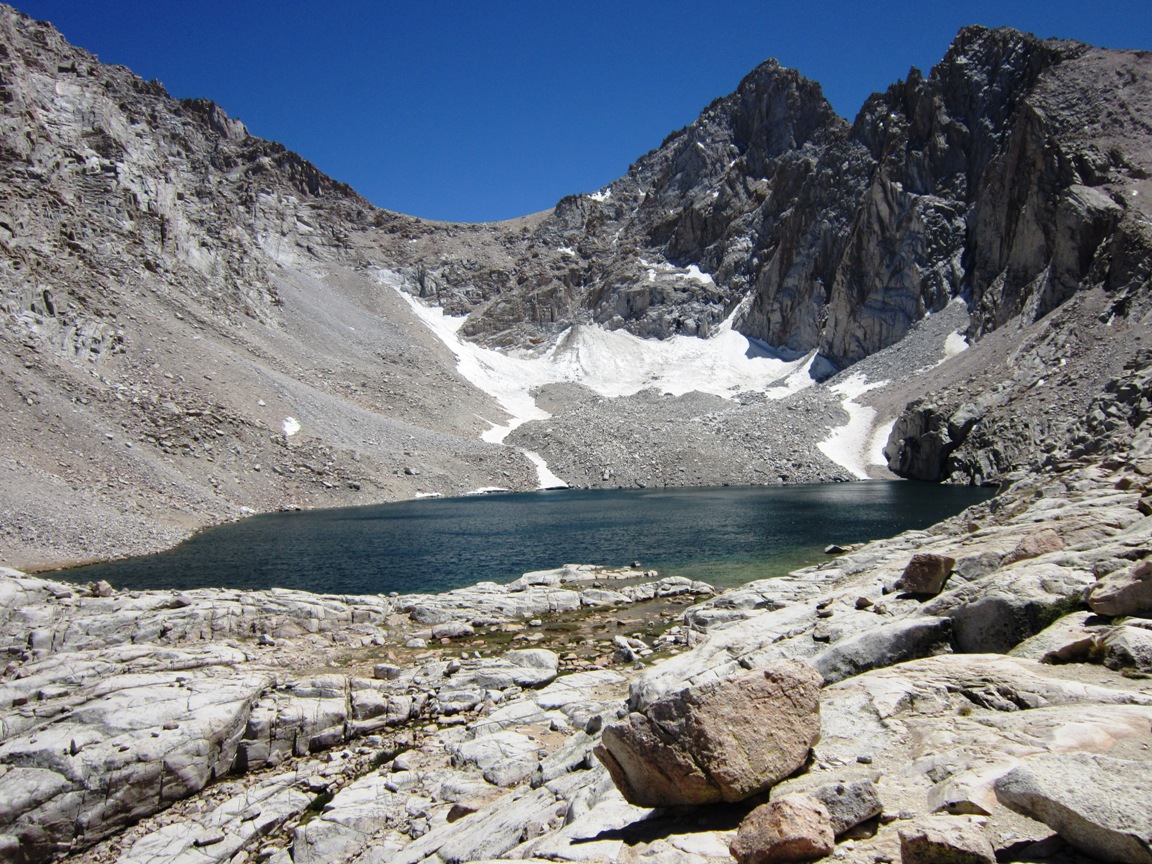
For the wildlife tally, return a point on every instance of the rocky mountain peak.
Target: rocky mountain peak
(831, 238)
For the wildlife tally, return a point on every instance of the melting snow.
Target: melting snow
(853, 446)
(691, 272)
(954, 344)
(698, 275)
(544, 475)
(612, 363)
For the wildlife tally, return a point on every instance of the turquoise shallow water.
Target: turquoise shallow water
(725, 536)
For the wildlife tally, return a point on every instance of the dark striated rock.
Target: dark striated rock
(926, 574)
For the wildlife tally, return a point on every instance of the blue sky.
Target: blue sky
(476, 111)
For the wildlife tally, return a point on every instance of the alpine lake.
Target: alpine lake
(725, 536)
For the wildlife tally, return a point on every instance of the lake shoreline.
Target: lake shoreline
(726, 535)
(330, 704)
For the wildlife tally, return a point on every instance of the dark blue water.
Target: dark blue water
(726, 536)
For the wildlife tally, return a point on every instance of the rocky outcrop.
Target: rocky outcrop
(1028, 413)
(224, 677)
(985, 177)
(295, 727)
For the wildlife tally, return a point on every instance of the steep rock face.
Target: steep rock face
(1058, 254)
(638, 253)
(988, 177)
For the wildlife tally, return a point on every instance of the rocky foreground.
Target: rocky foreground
(976, 691)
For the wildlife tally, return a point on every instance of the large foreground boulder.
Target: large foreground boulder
(720, 741)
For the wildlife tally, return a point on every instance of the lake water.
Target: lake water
(725, 536)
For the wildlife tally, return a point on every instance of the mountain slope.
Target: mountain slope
(971, 181)
(198, 323)
(173, 290)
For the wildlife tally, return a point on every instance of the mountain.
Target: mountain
(199, 324)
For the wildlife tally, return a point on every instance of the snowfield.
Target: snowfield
(858, 444)
(612, 363)
(615, 363)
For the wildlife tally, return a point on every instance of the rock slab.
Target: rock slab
(1097, 803)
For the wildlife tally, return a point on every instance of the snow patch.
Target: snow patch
(954, 344)
(880, 435)
(544, 475)
(487, 490)
(853, 445)
(612, 363)
(698, 275)
(692, 272)
(602, 195)
(290, 426)
(428, 495)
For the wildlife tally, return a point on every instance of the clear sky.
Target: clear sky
(477, 111)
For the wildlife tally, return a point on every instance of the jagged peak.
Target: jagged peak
(991, 47)
(217, 118)
(773, 71)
